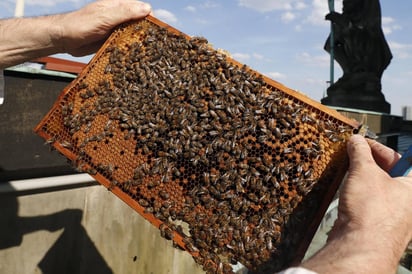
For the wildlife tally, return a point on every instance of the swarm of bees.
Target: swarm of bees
(231, 167)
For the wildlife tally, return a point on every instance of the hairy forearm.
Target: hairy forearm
(24, 39)
(358, 252)
(77, 33)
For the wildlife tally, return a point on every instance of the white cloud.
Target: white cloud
(241, 57)
(202, 21)
(276, 75)
(314, 12)
(400, 50)
(315, 60)
(387, 20)
(52, 3)
(42, 7)
(165, 15)
(314, 81)
(300, 5)
(209, 5)
(246, 57)
(257, 56)
(270, 5)
(319, 9)
(338, 6)
(298, 28)
(202, 6)
(389, 25)
(288, 17)
(190, 8)
(46, 3)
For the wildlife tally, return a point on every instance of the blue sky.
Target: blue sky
(282, 39)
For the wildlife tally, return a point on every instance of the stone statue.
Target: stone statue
(361, 50)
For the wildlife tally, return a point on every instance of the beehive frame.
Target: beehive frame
(230, 165)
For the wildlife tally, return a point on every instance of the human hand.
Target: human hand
(333, 16)
(83, 31)
(370, 199)
(374, 223)
(372, 205)
(337, 18)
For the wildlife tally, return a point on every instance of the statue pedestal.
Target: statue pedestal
(357, 91)
(358, 101)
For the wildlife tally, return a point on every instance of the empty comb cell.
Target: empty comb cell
(227, 163)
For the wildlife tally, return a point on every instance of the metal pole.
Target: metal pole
(19, 11)
(332, 42)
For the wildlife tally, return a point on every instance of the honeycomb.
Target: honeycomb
(230, 165)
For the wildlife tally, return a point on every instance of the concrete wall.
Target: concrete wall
(84, 230)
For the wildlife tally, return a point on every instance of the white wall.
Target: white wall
(84, 230)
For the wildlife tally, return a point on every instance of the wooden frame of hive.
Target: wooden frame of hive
(229, 164)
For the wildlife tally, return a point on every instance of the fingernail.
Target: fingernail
(356, 139)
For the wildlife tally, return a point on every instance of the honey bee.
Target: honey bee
(166, 232)
(164, 194)
(91, 171)
(189, 245)
(83, 85)
(50, 141)
(143, 202)
(112, 184)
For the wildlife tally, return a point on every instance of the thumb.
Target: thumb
(133, 10)
(360, 154)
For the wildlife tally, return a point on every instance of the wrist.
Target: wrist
(358, 251)
(57, 33)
